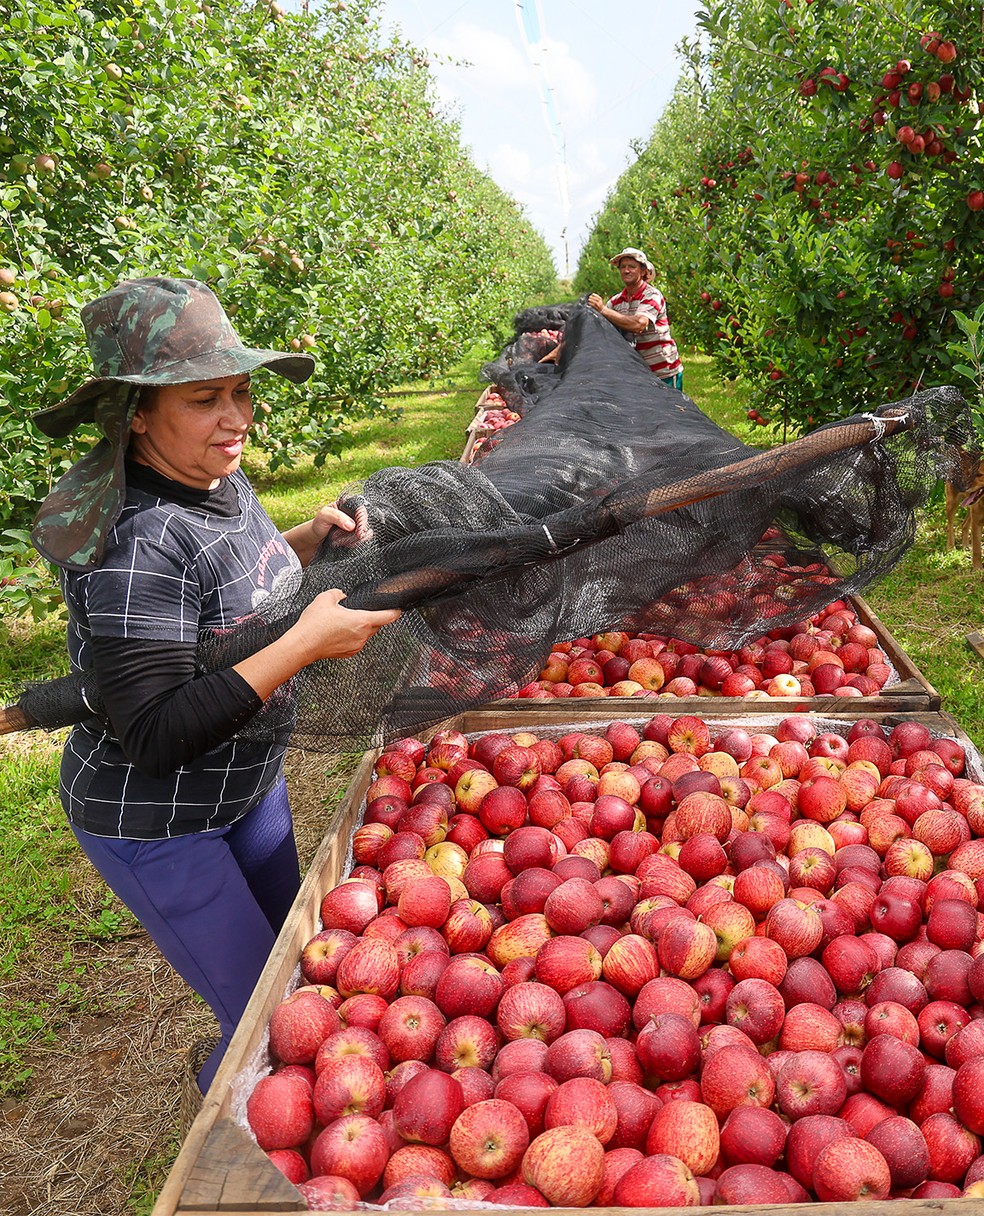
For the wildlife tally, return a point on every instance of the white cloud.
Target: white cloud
(489, 60)
(512, 167)
(576, 91)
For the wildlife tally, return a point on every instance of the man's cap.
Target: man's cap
(637, 254)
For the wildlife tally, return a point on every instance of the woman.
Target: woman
(158, 535)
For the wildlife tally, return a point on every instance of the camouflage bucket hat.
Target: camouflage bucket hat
(143, 332)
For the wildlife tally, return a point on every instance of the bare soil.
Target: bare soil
(100, 1123)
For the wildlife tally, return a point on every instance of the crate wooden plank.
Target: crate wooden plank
(893, 1207)
(620, 707)
(912, 681)
(502, 715)
(203, 1157)
(246, 1181)
(475, 429)
(975, 641)
(220, 1169)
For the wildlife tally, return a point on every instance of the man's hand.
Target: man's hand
(596, 302)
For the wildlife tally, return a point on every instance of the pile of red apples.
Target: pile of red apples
(832, 654)
(650, 965)
(496, 416)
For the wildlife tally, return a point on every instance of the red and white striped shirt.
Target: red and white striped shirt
(655, 343)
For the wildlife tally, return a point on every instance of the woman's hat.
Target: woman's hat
(143, 332)
(160, 331)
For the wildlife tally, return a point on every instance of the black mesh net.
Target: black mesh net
(614, 504)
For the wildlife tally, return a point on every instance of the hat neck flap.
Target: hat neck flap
(75, 519)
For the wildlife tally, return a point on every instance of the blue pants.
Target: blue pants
(675, 381)
(213, 902)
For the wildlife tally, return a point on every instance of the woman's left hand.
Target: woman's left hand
(332, 516)
(305, 538)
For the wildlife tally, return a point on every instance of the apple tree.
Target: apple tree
(835, 221)
(297, 163)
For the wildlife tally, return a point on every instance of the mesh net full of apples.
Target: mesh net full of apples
(654, 963)
(832, 654)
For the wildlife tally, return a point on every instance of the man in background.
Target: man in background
(639, 311)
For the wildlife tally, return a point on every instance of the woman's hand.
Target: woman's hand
(305, 538)
(326, 629)
(337, 632)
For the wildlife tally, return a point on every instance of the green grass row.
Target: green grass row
(931, 602)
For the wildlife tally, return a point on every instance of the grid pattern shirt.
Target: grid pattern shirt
(655, 344)
(169, 571)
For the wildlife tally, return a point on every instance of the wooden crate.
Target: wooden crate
(912, 691)
(221, 1169)
(475, 429)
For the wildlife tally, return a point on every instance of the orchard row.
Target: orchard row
(812, 198)
(294, 161)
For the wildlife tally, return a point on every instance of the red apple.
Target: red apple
(564, 962)
(597, 1006)
(736, 1076)
(427, 1106)
(806, 1138)
(892, 1070)
(349, 1085)
(353, 1147)
(280, 1111)
(968, 1096)
(904, 1148)
(752, 1135)
(565, 1164)
(756, 1007)
(488, 1140)
(467, 985)
(466, 1042)
(687, 1130)
(848, 1169)
(578, 1053)
(298, 1027)
(528, 1092)
(657, 1181)
(582, 1102)
(668, 1047)
(531, 1010)
(810, 1083)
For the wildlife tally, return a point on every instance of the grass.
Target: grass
(930, 602)
(44, 910)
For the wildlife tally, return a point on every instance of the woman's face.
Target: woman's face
(193, 433)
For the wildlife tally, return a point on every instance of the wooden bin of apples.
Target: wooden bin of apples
(656, 962)
(841, 654)
(492, 415)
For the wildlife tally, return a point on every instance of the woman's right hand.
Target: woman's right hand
(333, 631)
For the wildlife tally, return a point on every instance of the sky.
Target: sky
(550, 94)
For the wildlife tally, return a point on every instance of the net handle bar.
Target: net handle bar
(11, 719)
(750, 470)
